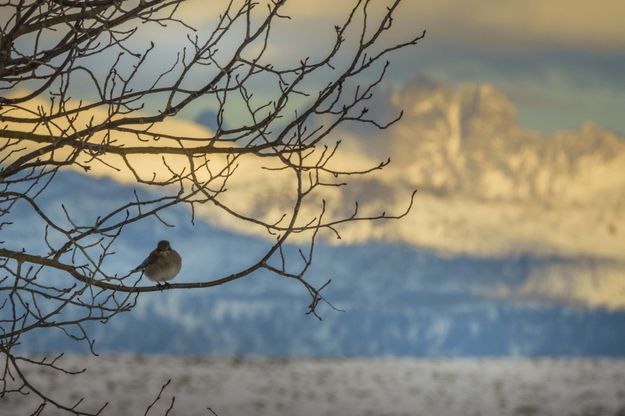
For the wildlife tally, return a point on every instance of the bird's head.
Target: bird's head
(163, 245)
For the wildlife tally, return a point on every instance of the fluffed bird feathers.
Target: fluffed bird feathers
(162, 264)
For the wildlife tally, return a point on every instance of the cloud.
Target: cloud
(508, 25)
(561, 62)
(486, 23)
(565, 56)
(533, 23)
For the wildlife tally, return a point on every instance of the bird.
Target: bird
(161, 265)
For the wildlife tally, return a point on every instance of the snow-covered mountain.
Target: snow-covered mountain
(466, 141)
(487, 187)
(515, 245)
(398, 300)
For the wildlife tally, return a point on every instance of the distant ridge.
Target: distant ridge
(398, 300)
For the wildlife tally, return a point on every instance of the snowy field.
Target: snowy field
(337, 387)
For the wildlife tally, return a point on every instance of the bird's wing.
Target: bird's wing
(153, 257)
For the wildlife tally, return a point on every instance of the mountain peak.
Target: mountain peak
(490, 185)
(485, 110)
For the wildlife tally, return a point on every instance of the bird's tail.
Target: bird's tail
(142, 266)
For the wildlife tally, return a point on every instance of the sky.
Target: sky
(560, 62)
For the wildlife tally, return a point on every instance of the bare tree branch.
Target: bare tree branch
(52, 51)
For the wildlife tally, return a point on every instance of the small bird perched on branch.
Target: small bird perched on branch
(162, 264)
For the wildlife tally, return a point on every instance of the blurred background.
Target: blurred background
(513, 133)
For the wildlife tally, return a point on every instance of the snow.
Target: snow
(487, 186)
(384, 386)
